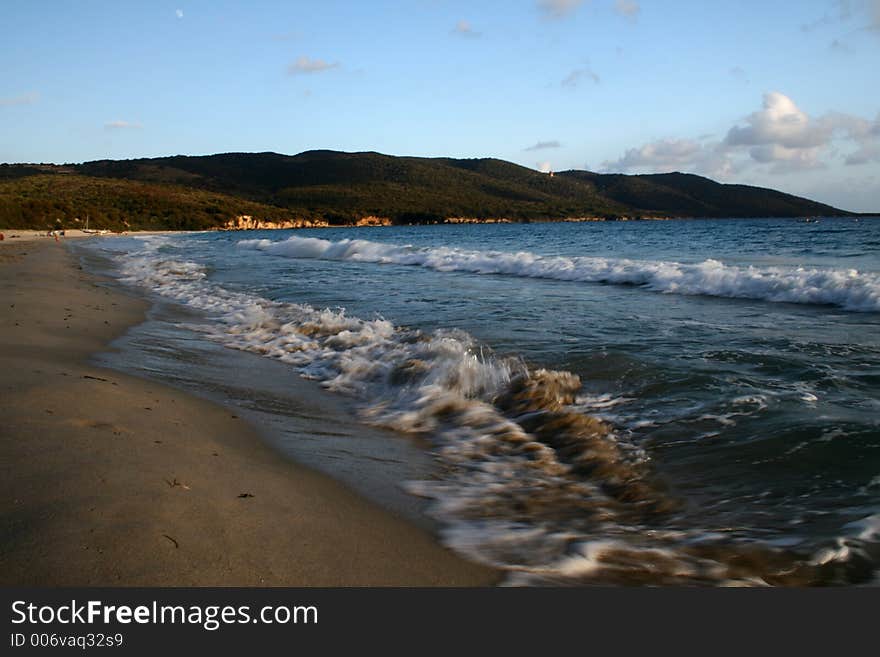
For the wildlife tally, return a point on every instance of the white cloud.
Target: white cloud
(306, 65)
(629, 9)
(23, 99)
(782, 134)
(867, 153)
(577, 75)
(779, 122)
(778, 138)
(543, 145)
(558, 8)
(867, 135)
(122, 125)
(663, 154)
(178, 13)
(465, 29)
(784, 159)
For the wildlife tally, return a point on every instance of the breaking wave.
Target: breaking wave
(529, 483)
(846, 288)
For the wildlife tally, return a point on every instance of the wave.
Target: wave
(528, 482)
(845, 288)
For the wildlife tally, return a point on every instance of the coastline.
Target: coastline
(108, 479)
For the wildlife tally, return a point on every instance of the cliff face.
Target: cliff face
(248, 222)
(475, 220)
(373, 221)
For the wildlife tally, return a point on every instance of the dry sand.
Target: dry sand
(14, 236)
(107, 479)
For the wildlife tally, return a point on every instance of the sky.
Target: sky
(775, 93)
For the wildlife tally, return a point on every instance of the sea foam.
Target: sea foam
(849, 289)
(529, 483)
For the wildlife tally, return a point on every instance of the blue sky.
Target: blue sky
(783, 94)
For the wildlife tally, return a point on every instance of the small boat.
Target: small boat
(93, 231)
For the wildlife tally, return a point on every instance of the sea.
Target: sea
(683, 402)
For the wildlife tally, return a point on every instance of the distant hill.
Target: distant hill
(688, 195)
(341, 188)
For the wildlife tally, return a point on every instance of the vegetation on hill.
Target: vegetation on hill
(195, 192)
(682, 194)
(48, 201)
(346, 186)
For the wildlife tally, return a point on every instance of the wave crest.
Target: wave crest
(846, 288)
(528, 483)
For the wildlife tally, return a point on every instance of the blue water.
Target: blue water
(735, 364)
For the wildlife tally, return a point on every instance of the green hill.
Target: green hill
(340, 188)
(51, 200)
(683, 194)
(350, 185)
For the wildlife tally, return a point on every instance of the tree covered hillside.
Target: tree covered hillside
(196, 192)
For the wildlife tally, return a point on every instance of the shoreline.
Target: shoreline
(109, 479)
(296, 416)
(247, 224)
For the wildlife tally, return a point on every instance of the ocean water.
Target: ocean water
(677, 402)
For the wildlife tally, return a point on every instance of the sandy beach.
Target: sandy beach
(113, 480)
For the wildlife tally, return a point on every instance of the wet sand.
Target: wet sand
(107, 479)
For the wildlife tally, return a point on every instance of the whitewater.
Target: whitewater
(847, 288)
(686, 403)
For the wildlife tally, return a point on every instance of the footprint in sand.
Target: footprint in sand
(84, 423)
